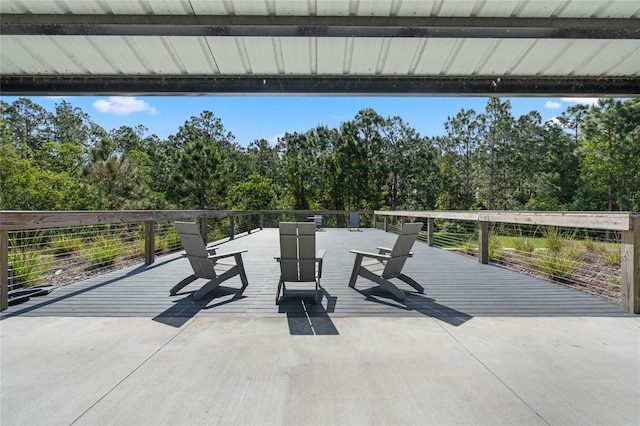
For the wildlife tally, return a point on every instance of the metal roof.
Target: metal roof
(355, 47)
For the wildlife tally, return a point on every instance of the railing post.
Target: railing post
(375, 221)
(249, 224)
(630, 268)
(4, 269)
(386, 224)
(232, 227)
(261, 220)
(149, 242)
(204, 229)
(483, 242)
(430, 226)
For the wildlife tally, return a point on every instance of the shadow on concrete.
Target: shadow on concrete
(416, 302)
(306, 318)
(186, 308)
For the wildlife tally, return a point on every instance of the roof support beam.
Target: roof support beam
(319, 26)
(319, 85)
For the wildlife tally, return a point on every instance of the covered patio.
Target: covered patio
(482, 345)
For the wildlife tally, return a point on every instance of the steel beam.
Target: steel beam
(319, 26)
(33, 85)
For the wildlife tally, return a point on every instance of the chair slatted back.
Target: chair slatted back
(195, 249)
(401, 249)
(298, 251)
(354, 220)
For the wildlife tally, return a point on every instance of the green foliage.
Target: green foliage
(496, 252)
(611, 253)
(27, 266)
(524, 246)
(64, 243)
(102, 251)
(563, 262)
(255, 193)
(554, 240)
(585, 160)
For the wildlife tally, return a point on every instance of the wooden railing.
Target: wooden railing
(40, 220)
(628, 224)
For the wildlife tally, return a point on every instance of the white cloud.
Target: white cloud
(554, 120)
(274, 140)
(123, 105)
(552, 105)
(585, 101)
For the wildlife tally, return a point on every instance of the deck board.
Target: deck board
(457, 288)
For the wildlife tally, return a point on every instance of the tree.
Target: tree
(29, 124)
(610, 149)
(71, 125)
(496, 149)
(255, 193)
(459, 148)
(118, 180)
(200, 175)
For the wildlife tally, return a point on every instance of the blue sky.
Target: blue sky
(253, 117)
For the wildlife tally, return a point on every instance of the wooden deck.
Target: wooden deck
(457, 288)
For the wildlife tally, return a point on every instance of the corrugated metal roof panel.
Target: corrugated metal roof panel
(417, 52)
(459, 8)
(299, 55)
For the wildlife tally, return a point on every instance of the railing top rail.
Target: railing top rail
(18, 220)
(617, 221)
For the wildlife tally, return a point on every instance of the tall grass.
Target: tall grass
(102, 251)
(27, 266)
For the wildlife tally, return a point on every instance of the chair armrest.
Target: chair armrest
(384, 250)
(373, 255)
(224, 255)
(319, 258)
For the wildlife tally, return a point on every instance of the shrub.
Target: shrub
(495, 249)
(611, 253)
(524, 246)
(553, 239)
(63, 244)
(172, 239)
(27, 266)
(562, 263)
(104, 250)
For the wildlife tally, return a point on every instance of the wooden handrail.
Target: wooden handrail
(627, 223)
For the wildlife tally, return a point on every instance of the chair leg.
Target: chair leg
(280, 285)
(240, 266)
(356, 270)
(390, 287)
(211, 285)
(411, 282)
(182, 284)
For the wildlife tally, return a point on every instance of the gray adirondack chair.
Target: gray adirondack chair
(205, 261)
(354, 222)
(299, 260)
(388, 263)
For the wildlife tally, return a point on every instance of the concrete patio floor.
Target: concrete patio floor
(354, 363)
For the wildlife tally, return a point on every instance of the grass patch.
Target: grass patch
(102, 251)
(64, 244)
(563, 262)
(27, 266)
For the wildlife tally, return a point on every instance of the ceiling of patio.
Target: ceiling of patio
(321, 47)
